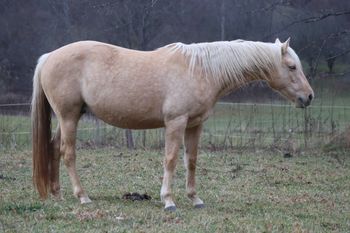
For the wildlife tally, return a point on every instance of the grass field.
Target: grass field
(257, 191)
(243, 177)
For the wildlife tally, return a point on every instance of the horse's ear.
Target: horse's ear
(277, 41)
(285, 46)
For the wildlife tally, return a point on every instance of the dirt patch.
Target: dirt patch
(89, 215)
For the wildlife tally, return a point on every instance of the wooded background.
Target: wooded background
(319, 29)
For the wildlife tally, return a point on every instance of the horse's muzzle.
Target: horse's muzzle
(304, 102)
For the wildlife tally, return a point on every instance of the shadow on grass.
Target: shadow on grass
(115, 200)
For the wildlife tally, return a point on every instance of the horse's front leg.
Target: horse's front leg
(174, 134)
(192, 136)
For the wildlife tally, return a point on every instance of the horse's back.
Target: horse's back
(123, 87)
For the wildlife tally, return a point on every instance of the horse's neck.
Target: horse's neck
(228, 65)
(228, 87)
(250, 72)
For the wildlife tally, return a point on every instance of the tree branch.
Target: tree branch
(338, 55)
(308, 20)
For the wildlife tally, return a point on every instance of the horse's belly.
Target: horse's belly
(129, 119)
(130, 123)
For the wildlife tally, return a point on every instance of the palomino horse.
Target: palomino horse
(175, 87)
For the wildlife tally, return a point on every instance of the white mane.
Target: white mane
(231, 62)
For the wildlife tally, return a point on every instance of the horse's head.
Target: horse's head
(289, 79)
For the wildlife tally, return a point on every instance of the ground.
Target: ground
(256, 191)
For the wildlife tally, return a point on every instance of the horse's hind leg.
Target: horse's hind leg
(68, 140)
(55, 165)
(192, 136)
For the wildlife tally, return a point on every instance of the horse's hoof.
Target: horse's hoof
(199, 206)
(85, 200)
(171, 208)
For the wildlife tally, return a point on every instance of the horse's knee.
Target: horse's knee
(170, 163)
(67, 153)
(68, 159)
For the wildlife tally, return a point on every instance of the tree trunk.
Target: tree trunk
(223, 19)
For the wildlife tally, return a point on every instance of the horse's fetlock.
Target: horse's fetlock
(191, 193)
(79, 193)
(164, 196)
(55, 188)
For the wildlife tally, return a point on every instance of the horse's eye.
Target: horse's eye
(292, 67)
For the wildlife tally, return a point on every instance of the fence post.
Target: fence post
(129, 139)
(306, 124)
(144, 138)
(97, 133)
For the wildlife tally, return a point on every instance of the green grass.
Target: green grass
(231, 125)
(244, 192)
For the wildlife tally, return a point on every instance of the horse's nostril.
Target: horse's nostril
(300, 100)
(311, 97)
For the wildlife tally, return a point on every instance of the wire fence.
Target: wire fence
(232, 125)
